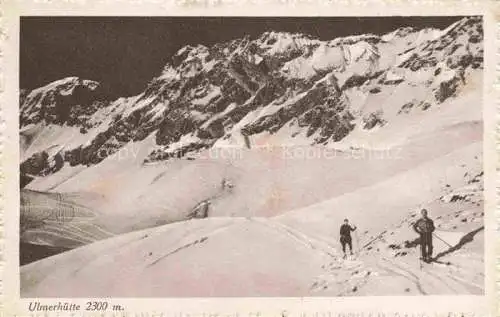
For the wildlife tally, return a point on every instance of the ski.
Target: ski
(443, 263)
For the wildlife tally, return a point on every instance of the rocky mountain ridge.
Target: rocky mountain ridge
(246, 88)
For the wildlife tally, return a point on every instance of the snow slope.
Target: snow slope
(171, 260)
(197, 257)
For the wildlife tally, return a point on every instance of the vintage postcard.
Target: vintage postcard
(309, 160)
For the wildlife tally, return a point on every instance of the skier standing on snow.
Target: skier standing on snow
(425, 227)
(345, 236)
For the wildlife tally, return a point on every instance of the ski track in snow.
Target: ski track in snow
(430, 279)
(297, 235)
(191, 243)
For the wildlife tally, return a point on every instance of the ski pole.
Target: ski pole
(357, 242)
(371, 241)
(442, 240)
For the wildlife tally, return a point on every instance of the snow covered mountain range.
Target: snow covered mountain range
(144, 163)
(279, 83)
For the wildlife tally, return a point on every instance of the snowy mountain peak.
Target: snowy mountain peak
(269, 38)
(55, 101)
(401, 32)
(64, 86)
(465, 23)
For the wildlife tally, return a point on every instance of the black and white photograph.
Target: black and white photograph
(218, 156)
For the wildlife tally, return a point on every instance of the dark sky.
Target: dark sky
(125, 53)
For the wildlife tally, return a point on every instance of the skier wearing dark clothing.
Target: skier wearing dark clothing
(425, 227)
(345, 236)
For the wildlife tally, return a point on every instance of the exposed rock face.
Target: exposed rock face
(448, 88)
(373, 119)
(70, 101)
(249, 87)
